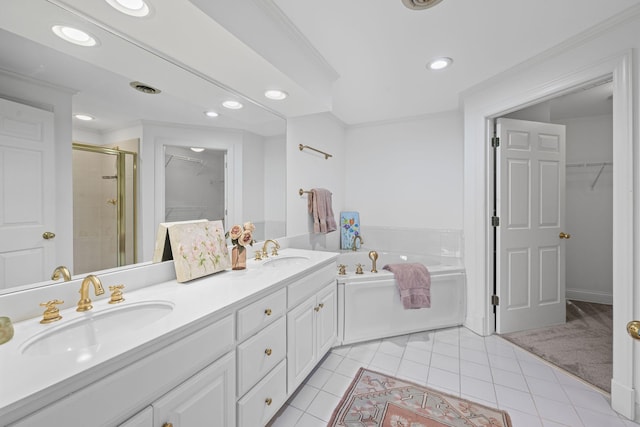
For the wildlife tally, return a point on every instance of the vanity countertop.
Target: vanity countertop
(27, 378)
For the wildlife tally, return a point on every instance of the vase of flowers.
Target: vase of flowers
(241, 237)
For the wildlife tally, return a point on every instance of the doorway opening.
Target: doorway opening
(583, 346)
(195, 183)
(104, 207)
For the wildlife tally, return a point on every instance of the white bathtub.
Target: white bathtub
(369, 304)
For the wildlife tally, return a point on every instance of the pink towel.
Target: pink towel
(414, 283)
(319, 203)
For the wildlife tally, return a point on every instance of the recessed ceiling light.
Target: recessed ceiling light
(276, 95)
(197, 149)
(137, 8)
(211, 114)
(232, 105)
(84, 117)
(439, 63)
(74, 35)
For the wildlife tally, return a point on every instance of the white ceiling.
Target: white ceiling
(379, 48)
(362, 60)
(99, 78)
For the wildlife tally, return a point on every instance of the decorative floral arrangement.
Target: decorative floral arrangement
(242, 235)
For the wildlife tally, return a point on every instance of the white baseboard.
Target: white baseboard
(622, 400)
(589, 296)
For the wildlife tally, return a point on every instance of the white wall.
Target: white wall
(307, 170)
(407, 173)
(253, 152)
(275, 182)
(589, 267)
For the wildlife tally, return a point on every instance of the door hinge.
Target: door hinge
(495, 142)
(495, 300)
(495, 221)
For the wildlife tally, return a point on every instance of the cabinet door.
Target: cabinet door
(327, 319)
(143, 418)
(205, 400)
(301, 342)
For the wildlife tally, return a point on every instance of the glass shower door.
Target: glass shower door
(103, 208)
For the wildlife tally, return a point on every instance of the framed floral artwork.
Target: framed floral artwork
(162, 249)
(198, 249)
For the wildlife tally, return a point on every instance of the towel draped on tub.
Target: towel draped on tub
(414, 283)
(320, 208)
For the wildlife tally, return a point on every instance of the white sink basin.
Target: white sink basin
(282, 261)
(96, 328)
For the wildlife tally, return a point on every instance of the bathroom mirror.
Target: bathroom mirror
(97, 82)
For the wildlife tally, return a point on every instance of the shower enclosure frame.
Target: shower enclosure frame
(121, 194)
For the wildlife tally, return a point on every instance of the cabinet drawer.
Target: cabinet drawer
(261, 313)
(263, 401)
(260, 353)
(312, 283)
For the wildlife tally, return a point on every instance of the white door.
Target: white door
(530, 199)
(26, 194)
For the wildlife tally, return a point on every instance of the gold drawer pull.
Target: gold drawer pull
(267, 312)
(268, 352)
(316, 308)
(321, 305)
(268, 401)
(167, 425)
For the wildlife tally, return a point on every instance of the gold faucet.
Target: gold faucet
(274, 252)
(85, 303)
(353, 245)
(63, 271)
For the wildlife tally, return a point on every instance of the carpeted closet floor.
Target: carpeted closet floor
(583, 346)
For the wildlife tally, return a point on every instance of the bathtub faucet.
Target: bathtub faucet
(353, 245)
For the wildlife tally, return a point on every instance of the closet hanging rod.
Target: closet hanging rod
(326, 155)
(588, 164)
(301, 192)
(184, 158)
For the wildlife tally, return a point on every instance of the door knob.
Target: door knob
(48, 235)
(564, 235)
(633, 328)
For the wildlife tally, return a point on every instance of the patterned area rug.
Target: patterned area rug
(374, 399)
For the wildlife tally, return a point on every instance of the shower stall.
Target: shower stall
(104, 207)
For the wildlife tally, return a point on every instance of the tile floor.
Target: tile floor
(488, 370)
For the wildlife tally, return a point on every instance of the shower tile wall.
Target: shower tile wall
(94, 218)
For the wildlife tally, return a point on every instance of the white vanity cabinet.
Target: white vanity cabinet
(143, 418)
(206, 399)
(144, 381)
(232, 365)
(262, 359)
(311, 331)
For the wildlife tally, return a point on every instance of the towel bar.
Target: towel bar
(326, 155)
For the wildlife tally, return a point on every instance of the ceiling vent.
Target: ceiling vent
(420, 4)
(141, 87)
